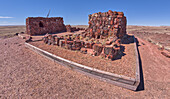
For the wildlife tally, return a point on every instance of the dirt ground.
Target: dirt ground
(25, 74)
(159, 35)
(10, 31)
(150, 29)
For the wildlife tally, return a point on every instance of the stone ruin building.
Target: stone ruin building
(42, 25)
(101, 38)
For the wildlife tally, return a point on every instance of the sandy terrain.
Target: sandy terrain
(150, 29)
(28, 75)
(156, 35)
(10, 31)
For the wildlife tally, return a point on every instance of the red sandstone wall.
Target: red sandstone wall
(108, 23)
(40, 25)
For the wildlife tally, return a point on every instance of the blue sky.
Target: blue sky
(75, 12)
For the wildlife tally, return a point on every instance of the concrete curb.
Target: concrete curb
(119, 80)
(137, 64)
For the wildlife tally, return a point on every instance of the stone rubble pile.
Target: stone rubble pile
(108, 48)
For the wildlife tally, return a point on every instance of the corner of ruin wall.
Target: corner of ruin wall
(27, 26)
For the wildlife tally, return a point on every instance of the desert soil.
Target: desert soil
(159, 35)
(25, 74)
(28, 75)
(10, 31)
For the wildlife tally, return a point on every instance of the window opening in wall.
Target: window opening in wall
(41, 24)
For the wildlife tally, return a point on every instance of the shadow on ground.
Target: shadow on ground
(141, 84)
(121, 53)
(128, 39)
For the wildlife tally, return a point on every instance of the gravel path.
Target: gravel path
(25, 74)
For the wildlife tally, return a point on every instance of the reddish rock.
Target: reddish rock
(41, 25)
(90, 51)
(98, 49)
(106, 21)
(84, 50)
(68, 28)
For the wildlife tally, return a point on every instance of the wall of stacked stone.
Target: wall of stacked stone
(41, 25)
(109, 23)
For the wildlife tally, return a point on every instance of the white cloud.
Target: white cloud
(5, 17)
(4, 23)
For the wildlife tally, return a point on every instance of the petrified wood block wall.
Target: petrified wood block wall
(109, 23)
(41, 25)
